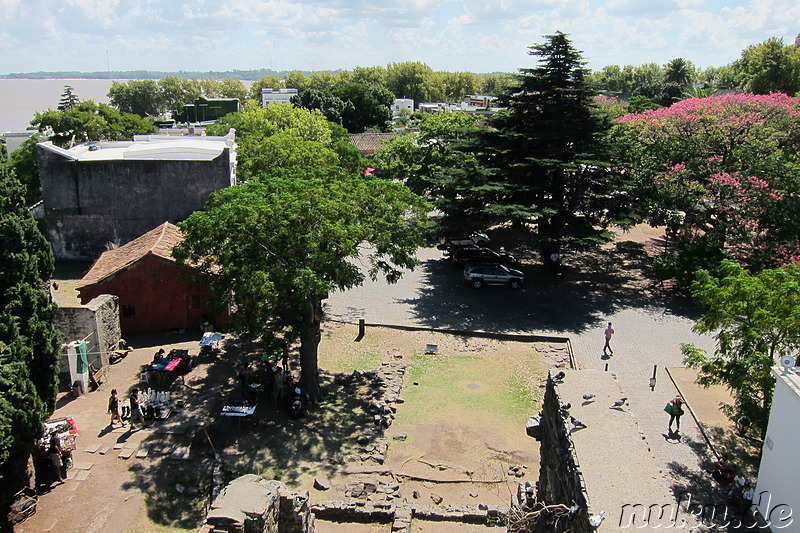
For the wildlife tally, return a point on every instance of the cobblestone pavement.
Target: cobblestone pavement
(650, 325)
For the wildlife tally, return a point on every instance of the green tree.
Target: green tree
(233, 88)
(22, 162)
(680, 71)
(332, 107)
(723, 77)
(29, 343)
(275, 248)
(410, 79)
(369, 75)
(278, 136)
(296, 80)
(613, 78)
(422, 159)
(639, 104)
(89, 121)
(176, 92)
(322, 81)
(370, 106)
(546, 155)
(770, 67)
(68, 98)
(457, 85)
(755, 322)
(139, 97)
(495, 84)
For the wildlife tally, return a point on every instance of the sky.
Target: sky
(466, 35)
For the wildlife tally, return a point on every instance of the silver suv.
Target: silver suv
(480, 275)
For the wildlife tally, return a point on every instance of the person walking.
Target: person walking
(609, 332)
(113, 408)
(675, 413)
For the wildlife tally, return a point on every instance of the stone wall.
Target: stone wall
(252, 504)
(91, 203)
(560, 479)
(98, 319)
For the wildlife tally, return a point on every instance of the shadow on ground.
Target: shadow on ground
(595, 284)
(271, 444)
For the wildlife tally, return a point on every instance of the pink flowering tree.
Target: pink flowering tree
(721, 173)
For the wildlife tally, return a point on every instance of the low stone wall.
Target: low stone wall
(401, 514)
(252, 504)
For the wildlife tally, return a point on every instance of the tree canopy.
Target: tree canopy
(68, 98)
(721, 172)
(89, 121)
(756, 321)
(284, 136)
(29, 343)
(429, 162)
(770, 67)
(275, 247)
(546, 157)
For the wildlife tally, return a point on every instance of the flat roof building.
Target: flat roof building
(107, 193)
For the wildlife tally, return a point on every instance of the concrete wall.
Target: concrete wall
(100, 318)
(91, 203)
(161, 294)
(778, 489)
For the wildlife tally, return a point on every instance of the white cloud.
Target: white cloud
(473, 35)
(638, 8)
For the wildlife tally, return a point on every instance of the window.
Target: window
(128, 311)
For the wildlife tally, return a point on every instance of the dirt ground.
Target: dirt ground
(466, 417)
(463, 418)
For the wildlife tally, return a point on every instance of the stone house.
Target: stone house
(110, 192)
(155, 292)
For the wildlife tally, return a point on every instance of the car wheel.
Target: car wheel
(478, 283)
(481, 243)
(514, 284)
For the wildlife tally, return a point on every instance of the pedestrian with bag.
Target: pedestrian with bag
(675, 410)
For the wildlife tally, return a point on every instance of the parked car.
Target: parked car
(479, 275)
(475, 254)
(452, 243)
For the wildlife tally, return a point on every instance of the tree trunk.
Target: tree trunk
(309, 345)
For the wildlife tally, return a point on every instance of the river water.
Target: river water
(20, 99)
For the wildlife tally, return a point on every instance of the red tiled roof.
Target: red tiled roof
(367, 143)
(158, 242)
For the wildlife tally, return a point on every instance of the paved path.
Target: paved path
(650, 326)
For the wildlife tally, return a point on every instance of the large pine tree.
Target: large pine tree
(29, 345)
(546, 156)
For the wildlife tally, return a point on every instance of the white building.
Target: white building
(272, 96)
(14, 139)
(778, 490)
(400, 104)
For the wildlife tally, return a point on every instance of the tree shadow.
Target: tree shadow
(597, 283)
(270, 444)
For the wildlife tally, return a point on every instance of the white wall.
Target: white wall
(778, 489)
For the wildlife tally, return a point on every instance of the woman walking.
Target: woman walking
(675, 413)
